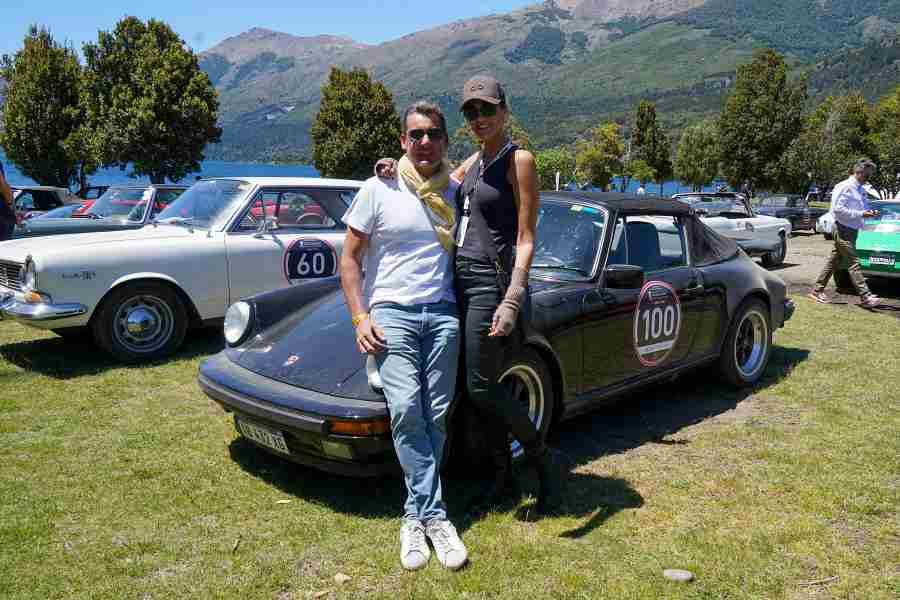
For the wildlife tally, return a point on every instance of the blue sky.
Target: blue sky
(204, 24)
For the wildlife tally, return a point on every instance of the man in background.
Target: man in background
(850, 205)
(7, 210)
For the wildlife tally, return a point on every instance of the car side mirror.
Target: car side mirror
(624, 277)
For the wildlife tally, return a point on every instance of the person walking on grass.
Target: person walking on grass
(850, 205)
(405, 315)
(7, 209)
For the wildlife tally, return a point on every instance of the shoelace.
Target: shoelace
(443, 537)
(416, 537)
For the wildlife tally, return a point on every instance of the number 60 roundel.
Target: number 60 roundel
(309, 259)
(657, 322)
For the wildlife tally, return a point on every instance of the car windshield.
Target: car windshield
(568, 237)
(716, 206)
(888, 219)
(121, 203)
(206, 204)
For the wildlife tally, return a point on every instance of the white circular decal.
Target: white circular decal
(309, 259)
(657, 322)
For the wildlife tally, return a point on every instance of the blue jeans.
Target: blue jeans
(418, 371)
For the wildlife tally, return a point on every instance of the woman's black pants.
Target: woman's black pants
(477, 296)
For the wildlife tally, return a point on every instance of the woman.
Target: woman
(498, 200)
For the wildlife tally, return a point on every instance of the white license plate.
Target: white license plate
(270, 438)
(882, 260)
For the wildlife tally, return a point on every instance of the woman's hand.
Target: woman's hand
(504, 319)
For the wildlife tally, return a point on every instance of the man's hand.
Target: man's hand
(369, 337)
(870, 213)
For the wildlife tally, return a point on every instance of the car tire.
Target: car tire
(774, 259)
(748, 344)
(140, 321)
(526, 375)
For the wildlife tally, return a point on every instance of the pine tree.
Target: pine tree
(356, 125)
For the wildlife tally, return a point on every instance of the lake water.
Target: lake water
(210, 168)
(221, 168)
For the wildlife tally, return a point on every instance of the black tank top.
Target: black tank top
(494, 201)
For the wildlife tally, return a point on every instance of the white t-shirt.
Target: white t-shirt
(405, 263)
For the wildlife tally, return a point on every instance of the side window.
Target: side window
(163, 199)
(304, 210)
(652, 243)
(47, 201)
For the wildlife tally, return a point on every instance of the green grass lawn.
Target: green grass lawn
(126, 482)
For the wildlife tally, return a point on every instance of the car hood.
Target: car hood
(19, 249)
(313, 348)
(884, 237)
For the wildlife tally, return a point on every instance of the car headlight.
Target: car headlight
(238, 322)
(29, 276)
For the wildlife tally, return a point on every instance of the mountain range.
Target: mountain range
(566, 64)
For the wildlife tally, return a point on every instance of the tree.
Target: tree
(650, 142)
(884, 139)
(762, 116)
(600, 158)
(640, 170)
(552, 161)
(697, 156)
(356, 125)
(834, 135)
(147, 103)
(41, 112)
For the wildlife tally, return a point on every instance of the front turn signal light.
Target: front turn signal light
(370, 427)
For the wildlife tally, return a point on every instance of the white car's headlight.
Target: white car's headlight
(238, 321)
(29, 276)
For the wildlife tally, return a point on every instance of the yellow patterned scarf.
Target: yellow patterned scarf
(431, 192)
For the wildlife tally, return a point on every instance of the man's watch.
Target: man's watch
(357, 319)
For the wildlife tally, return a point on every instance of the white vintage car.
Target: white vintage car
(732, 216)
(138, 291)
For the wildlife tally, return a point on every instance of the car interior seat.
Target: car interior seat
(643, 245)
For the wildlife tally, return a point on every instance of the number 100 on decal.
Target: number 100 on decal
(657, 323)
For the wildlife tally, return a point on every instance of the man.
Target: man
(850, 205)
(406, 318)
(641, 191)
(7, 209)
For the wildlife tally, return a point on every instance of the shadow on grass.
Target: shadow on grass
(69, 358)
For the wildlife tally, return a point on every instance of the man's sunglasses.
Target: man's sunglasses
(434, 134)
(472, 112)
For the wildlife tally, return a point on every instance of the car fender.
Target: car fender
(542, 346)
(149, 276)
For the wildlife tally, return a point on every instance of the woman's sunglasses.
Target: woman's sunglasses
(486, 110)
(434, 134)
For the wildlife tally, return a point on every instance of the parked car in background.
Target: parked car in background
(625, 291)
(91, 192)
(32, 200)
(825, 225)
(731, 215)
(121, 207)
(878, 243)
(793, 207)
(138, 291)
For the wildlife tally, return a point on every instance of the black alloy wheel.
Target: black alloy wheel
(748, 344)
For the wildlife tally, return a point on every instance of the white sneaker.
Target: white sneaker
(414, 551)
(448, 547)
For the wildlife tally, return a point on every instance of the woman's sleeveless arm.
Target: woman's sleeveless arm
(460, 172)
(523, 178)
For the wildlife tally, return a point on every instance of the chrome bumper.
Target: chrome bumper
(17, 310)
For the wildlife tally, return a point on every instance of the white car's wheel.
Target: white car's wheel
(140, 321)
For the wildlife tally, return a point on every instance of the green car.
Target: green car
(878, 244)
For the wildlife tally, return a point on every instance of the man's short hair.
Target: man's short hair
(430, 110)
(862, 164)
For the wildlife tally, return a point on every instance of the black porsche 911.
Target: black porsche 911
(626, 291)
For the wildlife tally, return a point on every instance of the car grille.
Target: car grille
(10, 275)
